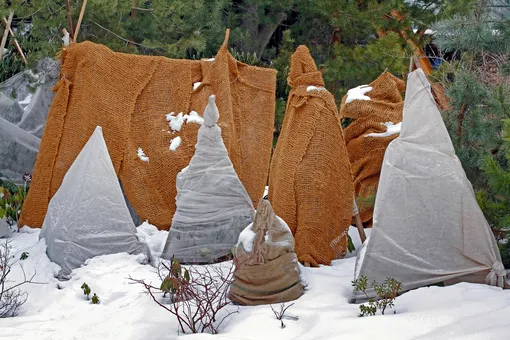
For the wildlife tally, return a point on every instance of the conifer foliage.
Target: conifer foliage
(478, 85)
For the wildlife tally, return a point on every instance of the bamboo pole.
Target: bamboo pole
(77, 31)
(6, 34)
(16, 44)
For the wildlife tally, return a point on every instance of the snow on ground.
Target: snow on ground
(59, 310)
(391, 129)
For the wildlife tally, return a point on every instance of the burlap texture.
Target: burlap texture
(129, 95)
(366, 153)
(310, 181)
(269, 273)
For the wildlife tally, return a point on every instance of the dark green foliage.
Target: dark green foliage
(86, 289)
(12, 197)
(495, 200)
(350, 245)
(95, 299)
(24, 256)
(479, 96)
(386, 294)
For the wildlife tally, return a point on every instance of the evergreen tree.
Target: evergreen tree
(478, 89)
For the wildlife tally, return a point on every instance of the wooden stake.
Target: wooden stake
(359, 223)
(225, 41)
(6, 34)
(359, 226)
(16, 44)
(69, 18)
(80, 18)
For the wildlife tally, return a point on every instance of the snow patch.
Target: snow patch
(176, 122)
(246, 238)
(210, 59)
(26, 101)
(358, 93)
(315, 88)
(142, 155)
(391, 129)
(196, 85)
(175, 143)
(193, 117)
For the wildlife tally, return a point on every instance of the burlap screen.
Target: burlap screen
(128, 96)
(310, 181)
(269, 272)
(366, 153)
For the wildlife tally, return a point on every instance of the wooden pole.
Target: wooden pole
(16, 44)
(359, 226)
(80, 18)
(225, 41)
(69, 18)
(6, 34)
(359, 223)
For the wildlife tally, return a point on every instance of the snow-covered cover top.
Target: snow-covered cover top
(209, 188)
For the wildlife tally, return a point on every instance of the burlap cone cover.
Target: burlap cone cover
(366, 153)
(310, 182)
(129, 96)
(267, 269)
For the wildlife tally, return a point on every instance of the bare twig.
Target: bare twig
(198, 296)
(280, 315)
(11, 298)
(69, 18)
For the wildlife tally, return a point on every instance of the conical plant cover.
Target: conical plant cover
(310, 181)
(428, 227)
(212, 205)
(366, 152)
(267, 269)
(88, 215)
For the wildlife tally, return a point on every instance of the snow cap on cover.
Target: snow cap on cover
(88, 215)
(211, 114)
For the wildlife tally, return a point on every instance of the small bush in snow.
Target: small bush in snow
(198, 295)
(386, 294)
(95, 299)
(11, 298)
(86, 290)
(280, 314)
(12, 198)
(24, 256)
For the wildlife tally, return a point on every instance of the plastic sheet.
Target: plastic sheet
(88, 216)
(23, 114)
(213, 206)
(428, 227)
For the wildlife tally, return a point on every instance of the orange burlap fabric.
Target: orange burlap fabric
(366, 153)
(269, 272)
(129, 95)
(310, 181)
